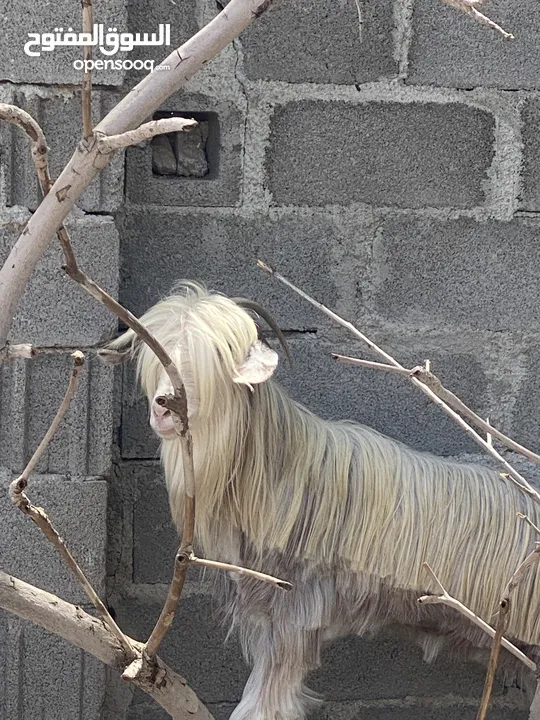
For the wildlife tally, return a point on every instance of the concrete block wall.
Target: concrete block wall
(390, 167)
(40, 674)
(389, 164)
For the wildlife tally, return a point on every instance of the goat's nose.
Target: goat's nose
(159, 410)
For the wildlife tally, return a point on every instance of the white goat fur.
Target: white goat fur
(345, 513)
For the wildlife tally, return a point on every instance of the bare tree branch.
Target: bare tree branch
(263, 577)
(76, 626)
(469, 7)
(88, 160)
(39, 149)
(512, 474)
(528, 520)
(149, 130)
(87, 23)
(433, 382)
(22, 481)
(40, 517)
(502, 623)
(445, 599)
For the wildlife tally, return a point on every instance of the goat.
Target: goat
(343, 512)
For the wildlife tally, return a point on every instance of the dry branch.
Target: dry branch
(469, 7)
(529, 522)
(502, 623)
(162, 683)
(227, 567)
(433, 382)
(87, 160)
(41, 519)
(512, 474)
(445, 599)
(144, 132)
(39, 149)
(22, 481)
(87, 23)
(178, 405)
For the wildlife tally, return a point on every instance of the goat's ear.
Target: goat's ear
(258, 366)
(119, 350)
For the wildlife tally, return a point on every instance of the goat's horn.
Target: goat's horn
(252, 305)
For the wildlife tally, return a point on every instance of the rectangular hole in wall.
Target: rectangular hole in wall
(191, 155)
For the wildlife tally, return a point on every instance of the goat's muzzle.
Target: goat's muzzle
(161, 421)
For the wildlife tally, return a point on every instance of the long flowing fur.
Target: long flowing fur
(346, 513)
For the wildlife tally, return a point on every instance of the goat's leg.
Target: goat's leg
(281, 657)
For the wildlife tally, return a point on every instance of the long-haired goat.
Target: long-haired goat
(345, 513)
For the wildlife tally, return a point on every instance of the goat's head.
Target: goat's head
(213, 341)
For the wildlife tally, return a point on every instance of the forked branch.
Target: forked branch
(445, 599)
(109, 143)
(511, 472)
(41, 519)
(71, 622)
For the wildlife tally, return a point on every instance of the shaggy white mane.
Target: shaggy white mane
(333, 494)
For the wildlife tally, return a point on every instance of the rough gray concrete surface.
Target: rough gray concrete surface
(408, 155)
(389, 164)
(51, 67)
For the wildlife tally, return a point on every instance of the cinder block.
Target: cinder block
(321, 42)
(458, 273)
(380, 400)
(444, 40)
(530, 194)
(78, 511)
(59, 114)
(390, 667)
(31, 392)
(221, 187)
(526, 419)
(136, 436)
(54, 310)
(155, 540)
(407, 155)
(146, 17)
(54, 67)
(46, 676)
(159, 248)
(385, 674)
(195, 646)
(404, 709)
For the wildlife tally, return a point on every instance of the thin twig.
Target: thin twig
(22, 480)
(513, 474)
(446, 599)
(528, 520)
(502, 623)
(39, 150)
(468, 6)
(283, 584)
(434, 383)
(110, 143)
(183, 556)
(180, 418)
(181, 564)
(531, 559)
(40, 518)
(87, 22)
